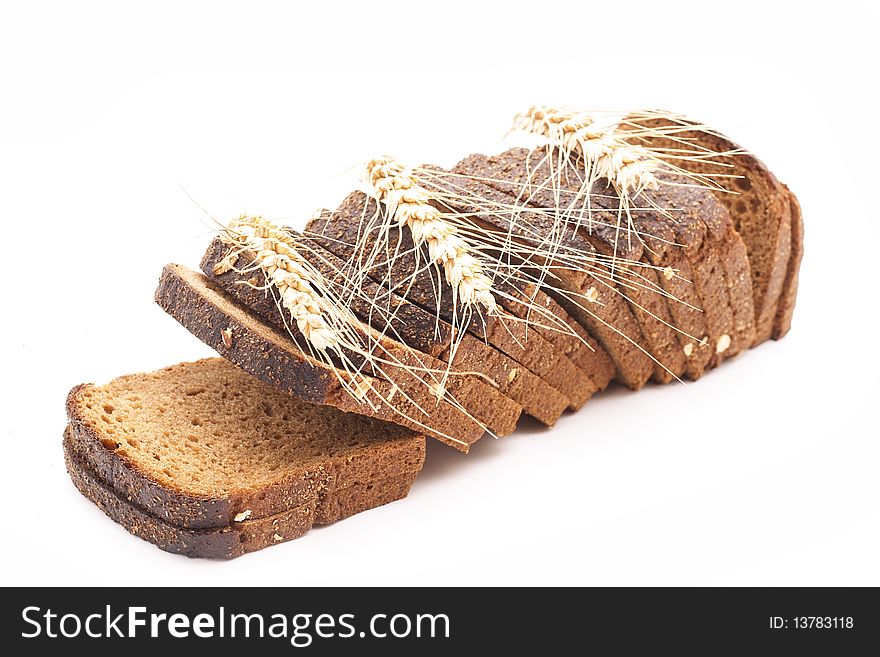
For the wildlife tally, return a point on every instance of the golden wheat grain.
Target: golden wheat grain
(606, 154)
(408, 205)
(275, 254)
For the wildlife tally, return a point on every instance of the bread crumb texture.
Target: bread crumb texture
(209, 429)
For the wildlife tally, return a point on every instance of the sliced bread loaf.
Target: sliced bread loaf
(624, 317)
(204, 460)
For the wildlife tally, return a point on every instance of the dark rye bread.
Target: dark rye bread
(722, 275)
(610, 319)
(785, 309)
(575, 343)
(241, 537)
(275, 359)
(202, 459)
(337, 232)
(218, 543)
(410, 324)
(648, 309)
(581, 348)
(631, 323)
(199, 443)
(697, 224)
(761, 210)
(478, 397)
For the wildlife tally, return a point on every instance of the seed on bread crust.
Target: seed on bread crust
(226, 334)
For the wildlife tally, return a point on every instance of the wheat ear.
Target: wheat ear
(284, 269)
(408, 205)
(606, 154)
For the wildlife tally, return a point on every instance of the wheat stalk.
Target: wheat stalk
(408, 205)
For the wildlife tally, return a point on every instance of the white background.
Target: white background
(765, 472)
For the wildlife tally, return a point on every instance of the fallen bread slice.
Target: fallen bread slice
(204, 460)
(274, 358)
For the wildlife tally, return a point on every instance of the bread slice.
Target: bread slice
(338, 232)
(274, 358)
(721, 270)
(761, 210)
(577, 344)
(204, 460)
(785, 308)
(410, 324)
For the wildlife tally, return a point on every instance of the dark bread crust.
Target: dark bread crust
(275, 359)
(420, 330)
(108, 460)
(337, 232)
(785, 307)
(482, 400)
(238, 538)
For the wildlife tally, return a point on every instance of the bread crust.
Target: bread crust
(110, 462)
(788, 298)
(237, 538)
